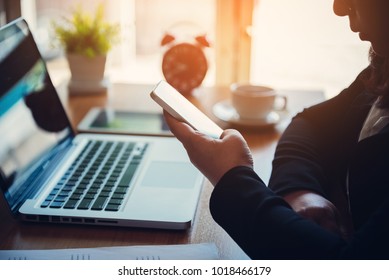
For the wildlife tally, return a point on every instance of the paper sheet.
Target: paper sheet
(203, 251)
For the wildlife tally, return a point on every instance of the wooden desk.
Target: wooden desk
(19, 235)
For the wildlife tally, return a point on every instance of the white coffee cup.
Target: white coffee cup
(255, 101)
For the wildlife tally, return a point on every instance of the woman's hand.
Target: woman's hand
(318, 209)
(213, 157)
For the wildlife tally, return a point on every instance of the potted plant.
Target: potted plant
(87, 40)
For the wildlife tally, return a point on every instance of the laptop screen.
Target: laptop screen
(33, 123)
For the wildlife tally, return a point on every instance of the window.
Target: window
(9, 10)
(138, 57)
(286, 44)
(303, 44)
(3, 18)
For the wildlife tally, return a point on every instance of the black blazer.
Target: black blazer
(318, 151)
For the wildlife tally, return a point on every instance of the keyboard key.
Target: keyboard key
(111, 183)
(79, 191)
(128, 174)
(116, 201)
(50, 197)
(64, 193)
(99, 203)
(45, 203)
(117, 196)
(105, 194)
(107, 189)
(82, 186)
(71, 204)
(60, 199)
(93, 191)
(112, 207)
(121, 190)
(76, 196)
(54, 192)
(56, 204)
(95, 187)
(90, 195)
(85, 204)
(68, 188)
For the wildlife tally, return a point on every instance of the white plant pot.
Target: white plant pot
(87, 74)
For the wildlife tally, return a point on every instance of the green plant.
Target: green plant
(86, 34)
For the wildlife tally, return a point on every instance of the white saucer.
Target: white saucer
(225, 112)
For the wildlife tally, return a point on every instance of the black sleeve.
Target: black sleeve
(265, 227)
(311, 153)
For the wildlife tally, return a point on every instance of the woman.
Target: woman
(330, 179)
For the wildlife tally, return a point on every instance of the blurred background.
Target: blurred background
(287, 44)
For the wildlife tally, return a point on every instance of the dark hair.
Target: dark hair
(378, 80)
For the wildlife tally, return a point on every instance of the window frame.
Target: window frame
(233, 48)
(11, 9)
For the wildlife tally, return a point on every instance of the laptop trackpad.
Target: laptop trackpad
(170, 175)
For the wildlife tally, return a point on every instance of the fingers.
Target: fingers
(232, 135)
(213, 157)
(185, 132)
(238, 144)
(316, 208)
(229, 132)
(189, 137)
(325, 217)
(180, 129)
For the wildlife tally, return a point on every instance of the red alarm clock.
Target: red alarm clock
(184, 64)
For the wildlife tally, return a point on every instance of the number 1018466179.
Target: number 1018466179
(232, 270)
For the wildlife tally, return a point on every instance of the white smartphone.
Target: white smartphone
(183, 110)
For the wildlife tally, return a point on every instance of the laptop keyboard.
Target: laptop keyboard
(99, 178)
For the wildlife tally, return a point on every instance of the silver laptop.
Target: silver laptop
(49, 174)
